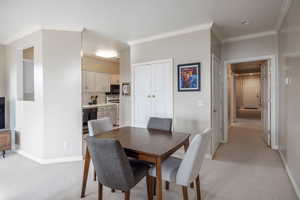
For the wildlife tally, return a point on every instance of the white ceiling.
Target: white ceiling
(127, 20)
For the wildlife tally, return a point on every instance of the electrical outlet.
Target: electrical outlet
(65, 145)
(287, 81)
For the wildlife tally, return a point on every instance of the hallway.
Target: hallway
(250, 168)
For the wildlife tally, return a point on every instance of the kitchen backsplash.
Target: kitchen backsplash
(86, 98)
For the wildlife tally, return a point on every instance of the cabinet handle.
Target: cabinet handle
(153, 96)
(149, 96)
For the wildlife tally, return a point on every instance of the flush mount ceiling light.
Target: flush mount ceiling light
(107, 54)
(244, 22)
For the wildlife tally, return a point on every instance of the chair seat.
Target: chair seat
(139, 169)
(169, 169)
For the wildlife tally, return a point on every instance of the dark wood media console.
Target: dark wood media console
(5, 141)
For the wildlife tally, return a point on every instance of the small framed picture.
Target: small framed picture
(126, 89)
(189, 77)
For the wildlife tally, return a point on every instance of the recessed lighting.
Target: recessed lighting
(107, 54)
(244, 22)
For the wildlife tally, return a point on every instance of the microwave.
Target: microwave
(114, 89)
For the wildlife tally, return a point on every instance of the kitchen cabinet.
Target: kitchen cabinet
(96, 82)
(110, 111)
(115, 79)
(102, 82)
(152, 91)
(88, 81)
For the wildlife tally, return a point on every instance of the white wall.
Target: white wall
(50, 126)
(26, 117)
(192, 111)
(289, 62)
(262, 46)
(2, 71)
(125, 76)
(62, 94)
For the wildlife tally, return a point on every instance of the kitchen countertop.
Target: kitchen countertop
(98, 105)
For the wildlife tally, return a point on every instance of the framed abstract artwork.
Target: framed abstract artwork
(189, 77)
(126, 89)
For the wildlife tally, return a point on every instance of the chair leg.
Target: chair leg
(100, 190)
(127, 195)
(95, 175)
(154, 186)
(192, 185)
(167, 185)
(149, 180)
(198, 188)
(185, 193)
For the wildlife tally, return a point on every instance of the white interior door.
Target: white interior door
(142, 95)
(251, 92)
(161, 96)
(216, 105)
(153, 89)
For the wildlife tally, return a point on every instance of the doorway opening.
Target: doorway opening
(249, 94)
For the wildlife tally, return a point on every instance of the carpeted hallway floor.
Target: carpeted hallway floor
(243, 169)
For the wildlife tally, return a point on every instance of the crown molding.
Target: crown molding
(36, 28)
(216, 31)
(191, 29)
(250, 36)
(283, 13)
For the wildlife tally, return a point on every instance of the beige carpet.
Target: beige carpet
(244, 169)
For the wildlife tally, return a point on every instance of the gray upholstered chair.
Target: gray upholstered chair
(113, 168)
(186, 171)
(164, 124)
(98, 126)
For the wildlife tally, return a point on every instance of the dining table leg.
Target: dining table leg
(87, 160)
(159, 194)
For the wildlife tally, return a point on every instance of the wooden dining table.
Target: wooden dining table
(153, 146)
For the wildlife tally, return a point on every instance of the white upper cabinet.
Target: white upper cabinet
(88, 81)
(96, 82)
(115, 79)
(102, 82)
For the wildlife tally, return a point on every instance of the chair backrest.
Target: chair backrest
(164, 124)
(111, 163)
(191, 164)
(99, 126)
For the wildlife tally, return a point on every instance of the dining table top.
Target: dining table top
(148, 141)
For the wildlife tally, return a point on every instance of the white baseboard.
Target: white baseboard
(296, 187)
(50, 160)
(208, 156)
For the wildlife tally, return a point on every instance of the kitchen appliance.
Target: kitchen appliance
(114, 89)
(2, 112)
(112, 99)
(89, 114)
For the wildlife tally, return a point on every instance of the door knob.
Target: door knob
(214, 110)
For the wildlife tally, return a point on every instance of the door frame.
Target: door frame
(274, 98)
(214, 57)
(170, 60)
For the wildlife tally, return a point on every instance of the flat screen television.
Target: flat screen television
(2, 112)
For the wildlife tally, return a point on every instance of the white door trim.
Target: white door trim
(214, 57)
(274, 97)
(170, 60)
